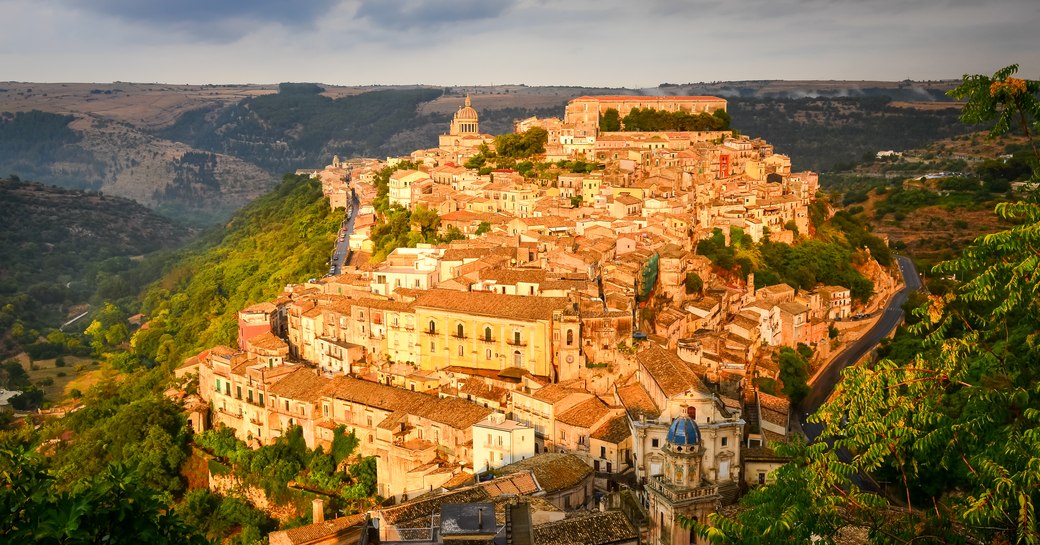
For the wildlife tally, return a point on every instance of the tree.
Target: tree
(693, 283)
(794, 373)
(610, 121)
(111, 506)
(1002, 98)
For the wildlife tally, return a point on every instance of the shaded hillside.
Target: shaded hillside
(104, 155)
(62, 246)
(299, 127)
(828, 133)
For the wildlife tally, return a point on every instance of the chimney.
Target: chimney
(318, 510)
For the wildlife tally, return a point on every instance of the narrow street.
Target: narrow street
(825, 381)
(341, 252)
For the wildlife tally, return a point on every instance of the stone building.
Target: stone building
(683, 488)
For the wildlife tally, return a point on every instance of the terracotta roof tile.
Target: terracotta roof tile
(614, 430)
(515, 307)
(672, 374)
(594, 529)
(584, 414)
(553, 471)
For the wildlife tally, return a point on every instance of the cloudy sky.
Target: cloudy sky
(629, 43)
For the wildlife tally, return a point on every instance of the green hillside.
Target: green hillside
(64, 248)
(283, 237)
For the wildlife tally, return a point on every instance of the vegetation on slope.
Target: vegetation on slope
(827, 258)
(299, 127)
(64, 248)
(281, 238)
(832, 133)
(128, 442)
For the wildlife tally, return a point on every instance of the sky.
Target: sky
(609, 43)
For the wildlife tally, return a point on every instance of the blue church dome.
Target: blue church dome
(684, 431)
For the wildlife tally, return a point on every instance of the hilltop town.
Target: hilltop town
(562, 358)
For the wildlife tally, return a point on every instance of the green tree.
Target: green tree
(794, 373)
(110, 506)
(610, 121)
(693, 283)
(1004, 99)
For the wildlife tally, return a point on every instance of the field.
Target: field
(77, 374)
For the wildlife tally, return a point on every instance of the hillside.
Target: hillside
(932, 202)
(281, 238)
(87, 152)
(61, 247)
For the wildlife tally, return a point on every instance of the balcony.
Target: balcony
(487, 340)
(459, 337)
(432, 333)
(658, 484)
(516, 342)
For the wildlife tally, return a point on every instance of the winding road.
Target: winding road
(890, 317)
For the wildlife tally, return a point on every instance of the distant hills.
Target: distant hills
(62, 247)
(197, 153)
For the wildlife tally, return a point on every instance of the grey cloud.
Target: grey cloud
(403, 14)
(230, 18)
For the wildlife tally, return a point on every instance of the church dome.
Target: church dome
(466, 113)
(684, 431)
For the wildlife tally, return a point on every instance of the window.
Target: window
(461, 350)
(725, 441)
(516, 337)
(602, 452)
(433, 345)
(287, 404)
(227, 388)
(563, 435)
(460, 331)
(487, 334)
(369, 419)
(654, 442)
(487, 354)
(249, 396)
(218, 384)
(433, 326)
(261, 399)
(238, 392)
(326, 409)
(570, 337)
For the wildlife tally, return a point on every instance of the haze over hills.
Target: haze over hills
(199, 152)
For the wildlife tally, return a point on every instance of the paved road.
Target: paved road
(342, 249)
(890, 318)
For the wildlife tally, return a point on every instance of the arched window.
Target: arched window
(570, 337)
(433, 326)
(460, 331)
(460, 350)
(487, 334)
(487, 354)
